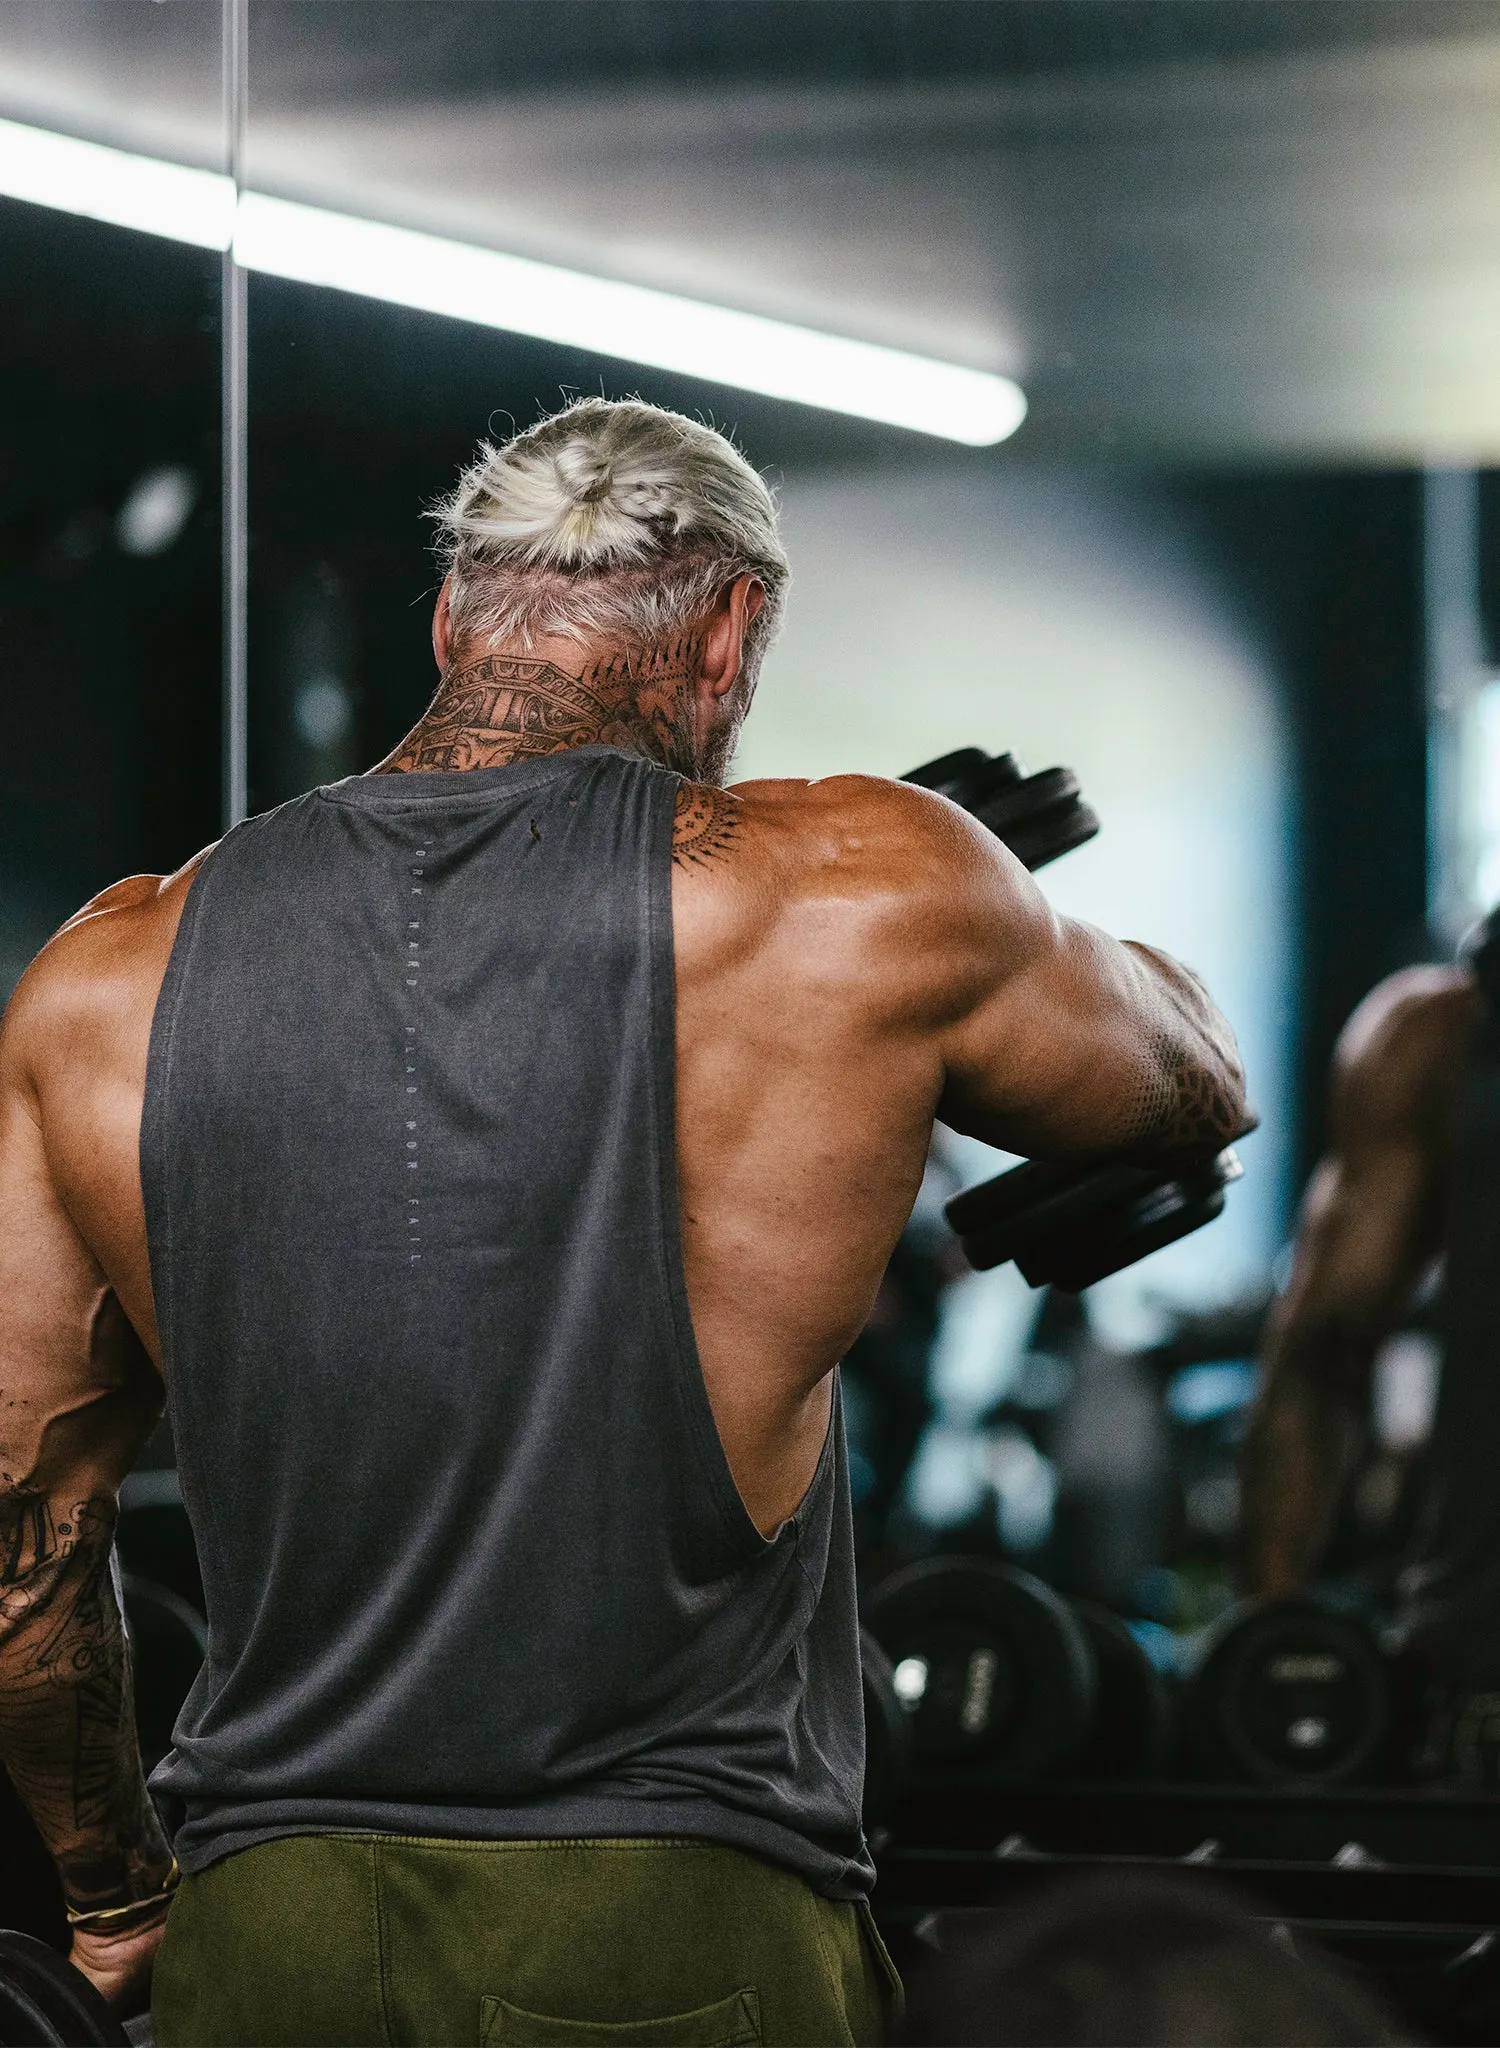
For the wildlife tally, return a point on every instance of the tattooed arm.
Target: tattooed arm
(1068, 1043)
(1375, 1213)
(78, 1395)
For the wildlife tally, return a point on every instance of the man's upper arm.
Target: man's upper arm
(79, 1391)
(1376, 1207)
(1069, 1042)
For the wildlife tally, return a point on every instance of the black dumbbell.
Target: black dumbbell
(168, 1641)
(1040, 817)
(1065, 1228)
(1006, 1682)
(1293, 1692)
(888, 1738)
(1132, 1733)
(45, 2001)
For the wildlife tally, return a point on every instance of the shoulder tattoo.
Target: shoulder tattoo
(704, 825)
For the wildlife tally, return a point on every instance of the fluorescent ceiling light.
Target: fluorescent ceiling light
(625, 320)
(115, 186)
(313, 246)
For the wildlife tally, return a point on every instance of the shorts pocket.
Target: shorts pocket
(734, 2022)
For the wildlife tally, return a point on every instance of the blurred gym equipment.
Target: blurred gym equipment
(888, 1740)
(1292, 1692)
(994, 1667)
(1133, 1727)
(168, 1641)
(1006, 1682)
(1403, 1890)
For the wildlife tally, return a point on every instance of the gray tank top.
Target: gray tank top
(474, 1561)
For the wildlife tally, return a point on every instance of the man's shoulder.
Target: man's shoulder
(1411, 1032)
(1412, 1013)
(114, 948)
(865, 824)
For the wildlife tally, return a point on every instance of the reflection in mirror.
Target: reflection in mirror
(109, 461)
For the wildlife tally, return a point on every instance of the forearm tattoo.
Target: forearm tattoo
(505, 708)
(67, 1721)
(1183, 1104)
(704, 825)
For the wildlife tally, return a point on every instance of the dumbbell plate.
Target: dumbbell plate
(1039, 817)
(994, 1667)
(888, 1738)
(1068, 1229)
(43, 1999)
(1134, 1717)
(1291, 1693)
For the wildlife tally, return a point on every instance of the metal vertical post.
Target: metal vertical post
(235, 53)
(1455, 670)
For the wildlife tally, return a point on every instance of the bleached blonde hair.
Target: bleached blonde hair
(613, 521)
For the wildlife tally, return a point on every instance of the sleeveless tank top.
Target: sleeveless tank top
(474, 1561)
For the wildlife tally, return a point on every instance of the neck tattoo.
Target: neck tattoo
(506, 707)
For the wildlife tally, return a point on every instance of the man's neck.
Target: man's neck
(495, 707)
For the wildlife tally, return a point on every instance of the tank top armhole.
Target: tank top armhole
(744, 1541)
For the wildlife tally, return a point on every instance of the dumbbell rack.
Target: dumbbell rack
(1403, 1887)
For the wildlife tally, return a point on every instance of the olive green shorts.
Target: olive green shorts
(356, 1938)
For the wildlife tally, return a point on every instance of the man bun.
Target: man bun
(605, 484)
(610, 518)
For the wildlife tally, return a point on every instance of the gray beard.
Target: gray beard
(706, 758)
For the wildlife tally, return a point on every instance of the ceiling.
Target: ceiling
(1194, 229)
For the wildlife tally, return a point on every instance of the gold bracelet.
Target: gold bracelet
(120, 1919)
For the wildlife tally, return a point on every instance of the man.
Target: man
(494, 1154)
(1409, 1177)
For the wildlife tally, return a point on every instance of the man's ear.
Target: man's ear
(442, 627)
(724, 647)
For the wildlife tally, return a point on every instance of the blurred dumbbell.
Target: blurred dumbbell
(1293, 1692)
(45, 2001)
(888, 1739)
(1006, 1682)
(1040, 817)
(1067, 1228)
(168, 1641)
(154, 1536)
(1132, 1733)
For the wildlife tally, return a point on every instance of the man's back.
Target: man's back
(659, 1219)
(833, 943)
(409, 1155)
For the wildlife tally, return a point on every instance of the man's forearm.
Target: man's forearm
(67, 1724)
(1192, 1103)
(1301, 1446)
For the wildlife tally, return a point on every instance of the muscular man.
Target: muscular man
(492, 1156)
(1410, 1176)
